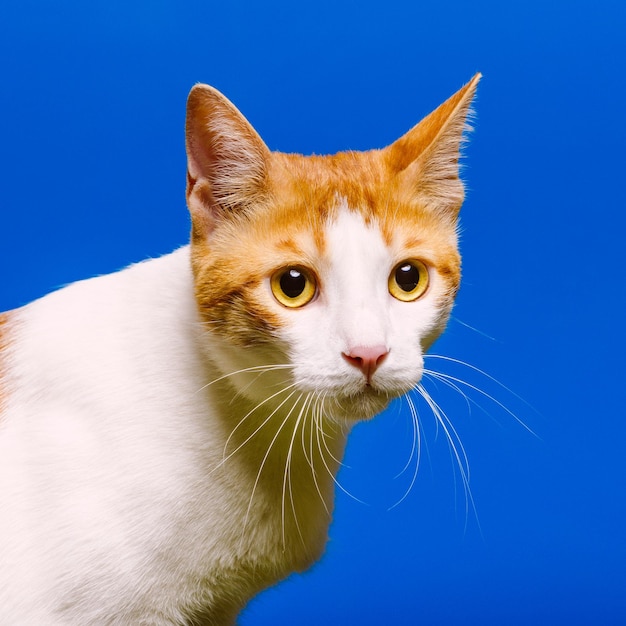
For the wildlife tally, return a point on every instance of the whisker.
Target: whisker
(448, 379)
(241, 392)
(416, 447)
(266, 456)
(308, 456)
(449, 430)
(329, 422)
(315, 410)
(415, 440)
(265, 421)
(476, 330)
(482, 373)
(319, 429)
(456, 448)
(438, 377)
(287, 474)
(262, 369)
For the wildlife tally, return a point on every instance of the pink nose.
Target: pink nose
(366, 358)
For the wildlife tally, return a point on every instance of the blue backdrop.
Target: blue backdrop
(92, 174)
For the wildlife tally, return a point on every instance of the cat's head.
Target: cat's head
(342, 268)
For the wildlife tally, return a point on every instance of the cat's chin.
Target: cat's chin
(362, 406)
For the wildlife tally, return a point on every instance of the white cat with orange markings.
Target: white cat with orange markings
(170, 434)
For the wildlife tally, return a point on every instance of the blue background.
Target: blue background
(92, 174)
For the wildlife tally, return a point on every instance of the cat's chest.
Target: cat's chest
(259, 502)
(235, 531)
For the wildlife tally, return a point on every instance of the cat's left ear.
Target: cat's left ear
(226, 160)
(425, 161)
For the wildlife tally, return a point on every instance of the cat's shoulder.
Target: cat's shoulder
(93, 316)
(161, 274)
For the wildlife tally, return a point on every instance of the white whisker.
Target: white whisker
(319, 430)
(287, 473)
(315, 410)
(267, 453)
(416, 438)
(262, 369)
(416, 447)
(438, 377)
(265, 421)
(449, 430)
(449, 379)
(328, 422)
(456, 449)
(476, 330)
(482, 373)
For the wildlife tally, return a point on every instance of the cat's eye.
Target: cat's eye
(293, 286)
(408, 280)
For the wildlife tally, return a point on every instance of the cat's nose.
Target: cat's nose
(367, 358)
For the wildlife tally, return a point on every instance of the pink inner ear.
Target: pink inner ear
(221, 143)
(194, 168)
(227, 160)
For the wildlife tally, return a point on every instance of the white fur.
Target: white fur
(133, 490)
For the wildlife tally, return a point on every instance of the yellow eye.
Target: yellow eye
(293, 286)
(408, 280)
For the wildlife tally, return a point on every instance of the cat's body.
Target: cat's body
(118, 490)
(142, 480)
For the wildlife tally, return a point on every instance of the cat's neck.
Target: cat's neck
(286, 457)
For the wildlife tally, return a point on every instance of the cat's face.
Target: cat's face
(338, 271)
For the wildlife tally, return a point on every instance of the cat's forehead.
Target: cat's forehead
(322, 232)
(327, 183)
(346, 228)
(310, 193)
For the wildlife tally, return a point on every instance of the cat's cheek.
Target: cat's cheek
(429, 339)
(437, 327)
(430, 335)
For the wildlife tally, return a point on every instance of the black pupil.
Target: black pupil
(407, 277)
(292, 282)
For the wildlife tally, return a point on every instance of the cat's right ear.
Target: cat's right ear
(425, 161)
(226, 160)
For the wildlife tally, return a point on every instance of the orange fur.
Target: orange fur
(248, 203)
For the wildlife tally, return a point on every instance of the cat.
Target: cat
(170, 433)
